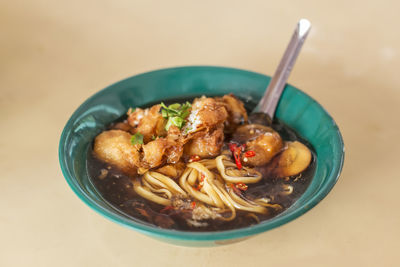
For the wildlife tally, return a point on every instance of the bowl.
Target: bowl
(296, 109)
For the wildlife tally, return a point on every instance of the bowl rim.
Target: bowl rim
(209, 235)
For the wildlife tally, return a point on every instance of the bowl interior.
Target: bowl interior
(296, 109)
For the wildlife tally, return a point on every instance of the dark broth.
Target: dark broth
(116, 188)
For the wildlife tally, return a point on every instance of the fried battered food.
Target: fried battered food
(202, 134)
(115, 147)
(172, 170)
(206, 114)
(149, 122)
(165, 149)
(294, 159)
(265, 146)
(208, 145)
(135, 116)
(237, 114)
(153, 153)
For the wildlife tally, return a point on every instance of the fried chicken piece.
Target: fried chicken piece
(135, 116)
(206, 114)
(237, 114)
(175, 144)
(265, 146)
(153, 153)
(115, 147)
(208, 145)
(166, 149)
(148, 122)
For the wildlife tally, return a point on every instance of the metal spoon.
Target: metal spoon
(269, 101)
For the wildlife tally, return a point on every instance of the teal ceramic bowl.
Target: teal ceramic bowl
(295, 108)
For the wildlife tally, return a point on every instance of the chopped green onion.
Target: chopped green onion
(175, 113)
(169, 123)
(163, 105)
(177, 121)
(185, 114)
(137, 138)
(131, 110)
(174, 106)
(164, 113)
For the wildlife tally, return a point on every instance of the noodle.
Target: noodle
(160, 188)
(222, 164)
(157, 187)
(188, 188)
(145, 193)
(164, 181)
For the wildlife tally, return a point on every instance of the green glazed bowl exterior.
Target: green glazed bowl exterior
(295, 108)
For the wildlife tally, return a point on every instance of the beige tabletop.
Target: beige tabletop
(55, 54)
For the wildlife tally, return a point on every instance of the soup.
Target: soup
(200, 166)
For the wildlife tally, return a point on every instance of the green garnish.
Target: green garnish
(177, 121)
(174, 106)
(137, 138)
(131, 110)
(175, 113)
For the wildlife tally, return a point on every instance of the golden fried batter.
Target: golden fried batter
(149, 122)
(115, 147)
(208, 145)
(237, 114)
(265, 146)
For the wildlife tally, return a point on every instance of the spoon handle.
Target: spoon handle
(274, 90)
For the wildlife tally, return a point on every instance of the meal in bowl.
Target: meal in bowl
(200, 166)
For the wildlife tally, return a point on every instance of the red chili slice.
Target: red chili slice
(236, 190)
(249, 154)
(232, 147)
(236, 155)
(242, 186)
(236, 150)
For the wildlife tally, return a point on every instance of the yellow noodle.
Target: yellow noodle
(160, 188)
(192, 177)
(208, 182)
(252, 215)
(273, 206)
(164, 191)
(228, 202)
(188, 188)
(210, 191)
(209, 163)
(242, 204)
(168, 182)
(235, 179)
(153, 181)
(141, 191)
(288, 189)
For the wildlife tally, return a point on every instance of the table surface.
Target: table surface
(55, 54)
